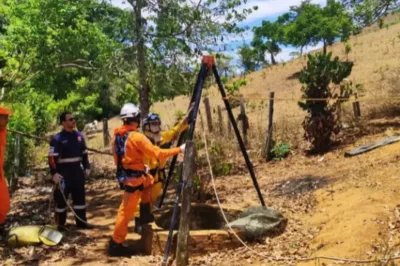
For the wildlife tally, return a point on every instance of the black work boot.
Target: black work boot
(118, 250)
(145, 213)
(61, 219)
(138, 225)
(81, 223)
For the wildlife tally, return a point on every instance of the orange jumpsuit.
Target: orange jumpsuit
(4, 196)
(154, 163)
(137, 146)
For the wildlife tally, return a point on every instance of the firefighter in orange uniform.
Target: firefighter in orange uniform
(4, 196)
(129, 148)
(152, 130)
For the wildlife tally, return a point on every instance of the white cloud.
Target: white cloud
(271, 8)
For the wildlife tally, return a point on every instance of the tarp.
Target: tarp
(257, 222)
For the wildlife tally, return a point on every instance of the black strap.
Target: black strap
(130, 189)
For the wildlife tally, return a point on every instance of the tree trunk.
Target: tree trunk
(144, 89)
(273, 59)
(325, 46)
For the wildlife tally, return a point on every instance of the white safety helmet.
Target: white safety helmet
(129, 110)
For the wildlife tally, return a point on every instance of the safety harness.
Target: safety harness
(123, 173)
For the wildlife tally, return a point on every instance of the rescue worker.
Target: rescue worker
(69, 166)
(129, 147)
(4, 196)
(152, 130)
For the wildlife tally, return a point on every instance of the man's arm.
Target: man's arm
(144, 144)
(54, 154)
(85, 156)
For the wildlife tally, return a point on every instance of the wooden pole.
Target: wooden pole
(268, 146)
(182, 257)
(220, 121)
(106, 135)
(17, 151)
(208, 114)
(243, 117)
(356, 107)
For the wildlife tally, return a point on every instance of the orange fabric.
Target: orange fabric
(5, 111)
(4, 196)
(137, 146)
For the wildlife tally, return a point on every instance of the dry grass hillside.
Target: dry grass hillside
(376, 54)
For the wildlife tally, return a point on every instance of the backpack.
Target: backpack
(120, 151)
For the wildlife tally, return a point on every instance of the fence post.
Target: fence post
(268, 146)
(17, 151)
(244, 119)
(106, 135)
(220, 121)
(182, 257)
(208, 114)
(356, 107)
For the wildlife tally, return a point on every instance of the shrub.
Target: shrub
(321, 121)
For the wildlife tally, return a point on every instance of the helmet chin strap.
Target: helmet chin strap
(156, 137)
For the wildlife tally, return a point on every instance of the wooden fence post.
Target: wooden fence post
(356, 107)
(17, 152)
(220, 121)
(208, 114)
(244, 119)
(106, 135)
(268, 145)
(182, 257)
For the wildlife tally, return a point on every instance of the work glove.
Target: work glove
(182, 147)
(87, 172)
(146, 169)
(57, 178)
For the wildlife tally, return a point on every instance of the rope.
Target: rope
(68, 205)
(261, 255)
(47, 140)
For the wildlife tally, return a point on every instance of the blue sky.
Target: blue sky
(267, 10)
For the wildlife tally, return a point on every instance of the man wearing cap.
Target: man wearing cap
(4, 196)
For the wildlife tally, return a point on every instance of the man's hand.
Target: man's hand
(87, 172)
(146, 169)
(57, 178)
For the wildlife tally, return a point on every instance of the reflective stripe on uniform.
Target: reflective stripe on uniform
(85, 152)
(70, 160)
(79, 207)
(53, 154)
(60, 210)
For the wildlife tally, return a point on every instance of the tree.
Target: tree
(250, 58)
(366, 12)
(268, 37)
(309, 24)
(322, 79)
(175, 30)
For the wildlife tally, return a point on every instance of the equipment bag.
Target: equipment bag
(33, 234)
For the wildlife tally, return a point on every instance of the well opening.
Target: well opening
(202, 217)
(207, 231)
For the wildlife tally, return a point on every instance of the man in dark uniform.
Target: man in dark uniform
(69, 165)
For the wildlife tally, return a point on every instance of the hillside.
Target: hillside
(375, 52)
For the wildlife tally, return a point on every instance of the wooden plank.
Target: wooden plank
(372, 146)
(182, 256)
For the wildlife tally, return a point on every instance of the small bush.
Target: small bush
(280, 151)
